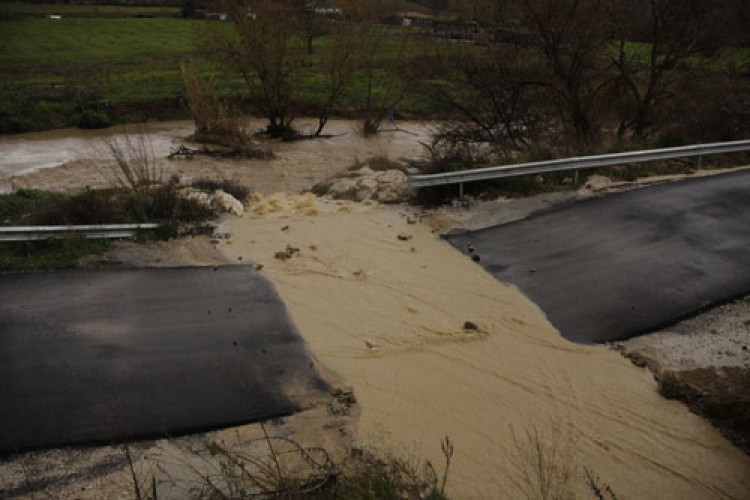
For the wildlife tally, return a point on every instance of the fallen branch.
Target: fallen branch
(185, 152)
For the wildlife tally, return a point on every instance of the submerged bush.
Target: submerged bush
(90, 119)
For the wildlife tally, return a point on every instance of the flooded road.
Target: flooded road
(70, 159)
(389, 316)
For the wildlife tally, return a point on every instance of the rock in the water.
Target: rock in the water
(364, 184)
(202, 198)
(369, 183)
(282, 255)
(229, 203)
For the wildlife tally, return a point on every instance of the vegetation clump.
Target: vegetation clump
(162, 204)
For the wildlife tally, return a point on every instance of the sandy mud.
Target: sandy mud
(384, 303)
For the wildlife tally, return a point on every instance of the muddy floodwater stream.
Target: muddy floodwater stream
(73, 158)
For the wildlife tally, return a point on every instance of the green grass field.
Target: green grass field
(39, 9)
(52, 70)
(61, 64)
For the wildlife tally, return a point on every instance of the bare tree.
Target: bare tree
(569, 35)
(673, 30)
(500, 110)
(313, 20)
(339, 58)
(262, 46)
(383, 64)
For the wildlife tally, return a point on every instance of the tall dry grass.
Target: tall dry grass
(135, 166)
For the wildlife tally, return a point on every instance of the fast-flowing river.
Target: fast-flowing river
(74, 158)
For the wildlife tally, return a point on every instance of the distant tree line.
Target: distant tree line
(587, 75)
(566, 75)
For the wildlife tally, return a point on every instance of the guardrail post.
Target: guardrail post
(575, 178)
(698, 162)
(460, 190)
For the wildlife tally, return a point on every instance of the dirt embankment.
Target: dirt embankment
(705, 363)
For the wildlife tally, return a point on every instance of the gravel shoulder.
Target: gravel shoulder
(705, 363)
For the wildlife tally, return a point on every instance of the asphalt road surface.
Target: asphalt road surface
(106, 356)
(629, 263)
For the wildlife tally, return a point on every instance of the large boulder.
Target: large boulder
(385, 186)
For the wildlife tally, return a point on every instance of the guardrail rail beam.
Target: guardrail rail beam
(35, 233)
(577, 163)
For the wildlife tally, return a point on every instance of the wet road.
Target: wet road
(619, 266)
(103, 356)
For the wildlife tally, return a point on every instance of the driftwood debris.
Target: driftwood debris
(185, 152)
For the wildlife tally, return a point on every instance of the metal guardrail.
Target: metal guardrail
(33, 233)
(576, 163)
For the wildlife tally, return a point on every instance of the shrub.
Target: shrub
(90, 119)
(49, 254)
(14, 205)
(135, 166)
(212, 121)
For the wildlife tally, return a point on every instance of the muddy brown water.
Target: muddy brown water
(70, 159)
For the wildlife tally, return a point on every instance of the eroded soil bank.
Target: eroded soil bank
(705, 362)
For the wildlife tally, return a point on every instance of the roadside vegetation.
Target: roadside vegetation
(284, 469)
(159, 203)
(140, 192)
(544, 468)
